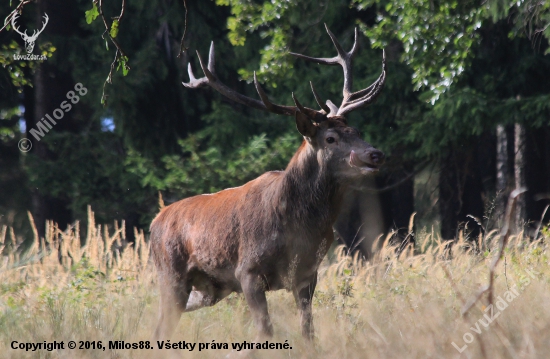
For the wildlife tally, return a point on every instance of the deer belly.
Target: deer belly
(213, 281)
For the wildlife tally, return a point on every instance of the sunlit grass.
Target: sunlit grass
(404, 307)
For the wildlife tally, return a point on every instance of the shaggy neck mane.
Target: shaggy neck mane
(311, 193)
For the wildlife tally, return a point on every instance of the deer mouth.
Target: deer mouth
(355, 161)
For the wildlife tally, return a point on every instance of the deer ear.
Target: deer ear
(304, 125)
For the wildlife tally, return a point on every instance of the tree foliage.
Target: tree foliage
(437, 37)
(456, 69)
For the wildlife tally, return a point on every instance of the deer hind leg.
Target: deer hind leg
(173, 297)
(303, 299)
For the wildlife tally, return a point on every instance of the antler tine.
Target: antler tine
(369, 94)
(355, 47)
(298, 104)
(193, 82)
(333, 108)
(13, 18)
(15, 27)
(278, 109)
(268, 104)
(318, 99)
(211, 80)
(209, 71)
(369, 89)
(312, 114)
(343, 59)
(206, 69)
(44, 23)
(341, 53)
(321, 61)
(37, 32)
(211, 60)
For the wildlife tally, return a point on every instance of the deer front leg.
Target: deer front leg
(254, 292)
(303, 299)
(173, 297)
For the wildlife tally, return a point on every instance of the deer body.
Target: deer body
(273, 232)
(276, 228)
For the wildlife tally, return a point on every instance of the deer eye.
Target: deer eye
(330, 140)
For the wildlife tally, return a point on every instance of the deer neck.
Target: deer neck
(312, 193)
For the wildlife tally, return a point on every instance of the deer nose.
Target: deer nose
(377, 157)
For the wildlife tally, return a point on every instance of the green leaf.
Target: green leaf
(92, 14)
(236, 34)
(114, 29)
(123, 63)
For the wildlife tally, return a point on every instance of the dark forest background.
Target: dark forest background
(464, 117)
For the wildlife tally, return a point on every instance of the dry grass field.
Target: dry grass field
(85, 285)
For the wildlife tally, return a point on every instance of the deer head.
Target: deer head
(326, 130)
(29, 40)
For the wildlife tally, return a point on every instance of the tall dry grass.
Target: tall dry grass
(98, 287)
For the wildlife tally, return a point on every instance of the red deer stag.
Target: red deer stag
(272, 232)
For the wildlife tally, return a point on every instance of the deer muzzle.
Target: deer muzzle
(369, 160)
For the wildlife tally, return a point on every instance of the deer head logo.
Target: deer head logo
(29, 40)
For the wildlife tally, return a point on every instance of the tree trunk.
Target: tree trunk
(38, 201)
(537, 173)
(398, 199)
(402, 200)
(360, 221)
(51, 85)
(502, 174)
(460, 190)
(367, 214)
(449, 196)
(519, 174)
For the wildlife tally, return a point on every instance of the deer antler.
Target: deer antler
(35, 32)
(38, 32)
(16, 28)
(352, 100)
(210, 79)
